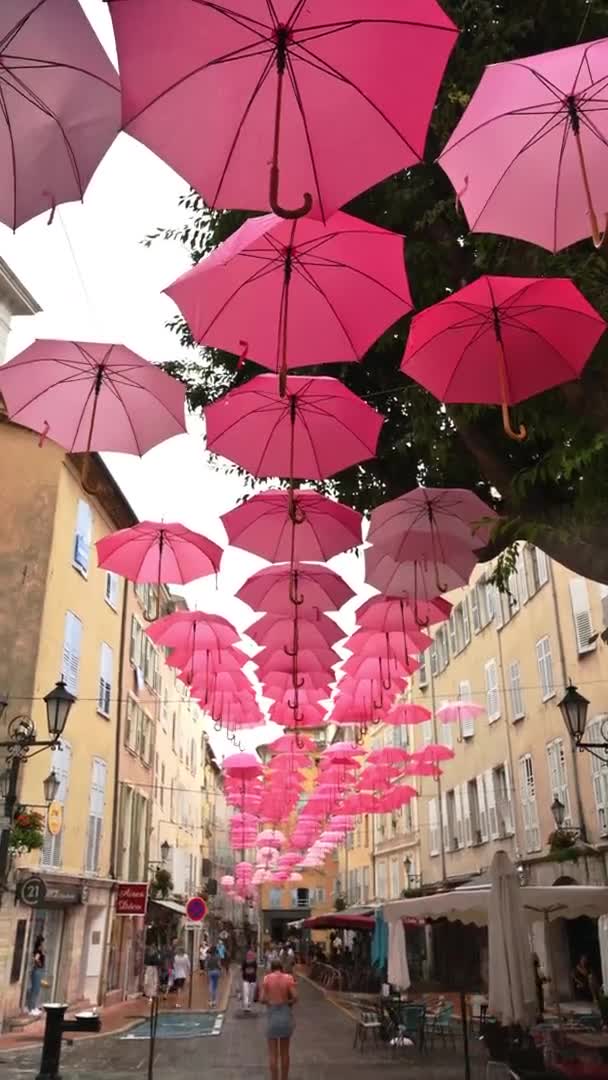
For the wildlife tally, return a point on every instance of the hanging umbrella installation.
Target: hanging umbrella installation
(60, 106)
(430, 519)
(286, 527)
(501, 340)
(529, 156)
(236, 97)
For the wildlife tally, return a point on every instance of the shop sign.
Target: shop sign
(38, 892)
(32, 890)
(132, 898)
(54, 818)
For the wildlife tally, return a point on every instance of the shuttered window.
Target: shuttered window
(106, 663)
(111, 593)
(492, 697)
(72, 642)
(467, 722)
(434, 837)
(527, 791)
(599, 776)
(490, 792)
(515, 691)
(61, 756)
(581, 614)
(545, 668)
(483, 811)
(82, 537)
(558, 777)
(96, 808)
(423, 678)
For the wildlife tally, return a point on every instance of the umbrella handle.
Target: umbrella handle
(273, 198)
(517, 436)
(299, 741)
(504, 388)
(217, 725)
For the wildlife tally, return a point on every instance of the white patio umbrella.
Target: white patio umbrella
(512, 994)
(398, 970)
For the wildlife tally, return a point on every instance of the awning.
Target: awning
(339, 921)
(471, 905)
(170, 905)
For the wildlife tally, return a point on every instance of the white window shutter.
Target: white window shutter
(459, 815)
(445, 823)
(466, 813)
(427, 732)
(492, 697)
(106, 664)
(96, 812)
(508, 808)
(475, 610)
(517, 702)
(522, 577)
(483, 810)
(543, 567)
(71, 651)
(82, 536)
(467, 725)
(604, 601)
(466, 625)
(581, 613)
(491, 803)
(453, 636)
(599, 776)
(433, 828)
(61, 757)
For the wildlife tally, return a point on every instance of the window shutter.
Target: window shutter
(71, 651)
(495, 605)
(545, 668)
(507, 809)
(466, 813)
(557, 776)
(604, 601)
(528, 802)
(517, 703)
(522, 577)
(427, 732)
(543, 567)
(466, 625)
(467, 724)
(433, 828)
(491, 803)
(599, 776)
(483, 811)
(459, 815)
(82, 536)
(581, 613)
(423, 678)
(61, 757)
(453, 635)
(475, 610)
(112, 588)
(96, 811)
(105, 679)
(492, 698)
(447, 839)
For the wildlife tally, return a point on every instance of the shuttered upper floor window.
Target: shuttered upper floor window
(581, 615)
(82, 537)
(106, 664)
(72, 644)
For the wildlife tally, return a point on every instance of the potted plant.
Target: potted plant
(27, 832)
(161, 884)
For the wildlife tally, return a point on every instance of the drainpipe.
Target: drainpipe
(565, 680)
(444, 876)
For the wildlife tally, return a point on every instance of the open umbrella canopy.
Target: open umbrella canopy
(284, 87)
(317, 429)
(455, 712)
(439, 515)
(395, 613)
(393, 644)
(271, 660)
(275, 631)
(309, 586)
(388, 755)
(187, 629)
(415, 580)
(242, 766)
(528, 158)
(408, 714)
(88, 396)
(292, 294)
(59, 116)
(300, 525)
(156, 552)
(310, 715)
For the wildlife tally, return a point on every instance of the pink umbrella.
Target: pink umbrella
(289, 763)
(377, 777)
(286, 86)
(397, 797)
(242, 766)
(204, 662)
(271, 660)
(415, 580)
(284, 526)
(439, 515)
(310, 586)
(319, 428)
(389, 643)
(319, 631)
(501, 340)
(388, 613)
(359, 804)
(155, 552)
(60, 114)
(407, 714)
(342, 753)
(292, 294)
(528, 158)
(283, 681)
(433, 753)
(422, 768)
(186, 629)
(86, 396)
(309, 716)
(286, 744)
(388, 673)
(388, 755)
(455, 712)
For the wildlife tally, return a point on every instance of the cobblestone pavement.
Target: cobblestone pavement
(321, 1050)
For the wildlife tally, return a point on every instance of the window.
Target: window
(459, 627)
(492, 698)
(111, 593)
(502, 792)
(395, 878)
(72, 641)
(150, 664)
(558, 779)
(604, 601)
(446, 733)
(581, 614)
(423, 677)
(450, 838)
(365, 886)
(538, 568)
(276, 897)
(515, 692)
(138, 731)
(427, 732)
(136, 644)
(96, 808)
(381, 882)
(482, 605)
(527, 791)
(434, 835)
(483, 810)
(82, 537)
(434, 659)
(61, 757)
(467, 723)
(443, 649)
(173, 731)
(599, 775)
(490, 794)
(408, 818)
(400, 735)
(104, 695)
(522, 576)
(164, 715)
(545, 668)
(473, 809)
(162, 785)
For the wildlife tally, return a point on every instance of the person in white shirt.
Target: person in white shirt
(181, 972)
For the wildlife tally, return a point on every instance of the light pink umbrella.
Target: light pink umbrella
(156, 552)
(186, 629)
(529, 156)
(242, 766)
(407, 714)
(455, 712)
(292, 294)
(282, 86)
(284, 526)
(438, 514)
(282, 681)
(389, 613)
(342, 753)
(377, 777)
(415, 580)
(310, 586)
(396, 797)
(388, 755)
(274, 837)
(205, 661)
(317, 429)
(318, 631)
(433, 753)
(366, 642)
(423, 768)
(286, 744)
(60, 106)
(86, 396)
(310, 715)
(271, 660)
(389, 673)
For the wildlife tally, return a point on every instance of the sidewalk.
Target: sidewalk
(115, 1018)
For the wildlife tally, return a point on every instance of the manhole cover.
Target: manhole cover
(179, 1026)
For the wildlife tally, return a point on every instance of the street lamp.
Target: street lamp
(50, 787)
(574, 708)
(559, 812)
(58, 703)
(165, 848)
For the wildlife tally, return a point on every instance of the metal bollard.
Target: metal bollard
(55, 1026)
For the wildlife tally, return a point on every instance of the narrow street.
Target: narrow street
(321, 1050)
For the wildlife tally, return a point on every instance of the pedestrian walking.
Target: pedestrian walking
(181, 973)
(249, 971)
(214, 970)
(202, 954)
(36, 977)
(288, 959)
(279, 995)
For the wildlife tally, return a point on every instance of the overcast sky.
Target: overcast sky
(94, 280)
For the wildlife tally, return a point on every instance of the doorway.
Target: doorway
(48, 923)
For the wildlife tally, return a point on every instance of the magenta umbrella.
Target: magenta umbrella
(430, 519)
(310, 715)
(292, 294)
(275, 631)
(279, 682)
(86, 396)
(60, 106)
(408, 714)
(529, 156)
(319, 428)
(287, 744)
(501, 340)
(184, 629)
(286, 526)
(271, 660)
(388, 755)
(395, 613)
(389, 645)
(309, 586)
(282, 86)
(156, 552)
(418, 580)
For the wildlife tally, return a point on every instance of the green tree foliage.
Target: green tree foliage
(551, 489)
